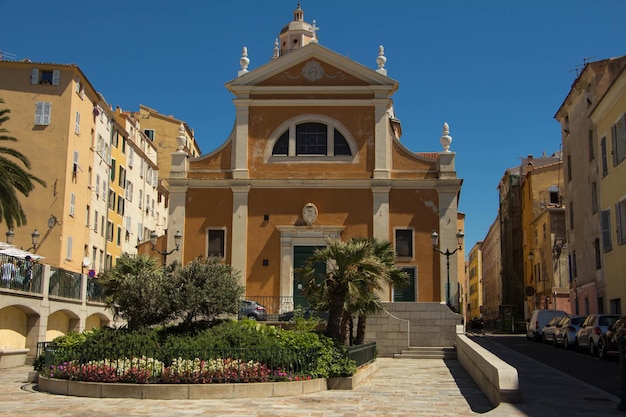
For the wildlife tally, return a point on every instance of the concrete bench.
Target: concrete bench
(498, 380)
(11, 358)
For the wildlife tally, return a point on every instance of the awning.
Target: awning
(19, 253)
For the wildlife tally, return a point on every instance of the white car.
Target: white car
(594, 326)
(538, 319)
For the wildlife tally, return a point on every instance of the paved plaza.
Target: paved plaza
(422, 387)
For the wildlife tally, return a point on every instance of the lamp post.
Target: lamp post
(435, 241)
(52, 221)
(153, 240)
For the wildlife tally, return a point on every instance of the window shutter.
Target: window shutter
(72, 203)
(618, 223)
(69, 248)
(39, 113)
(614, 143)
(47, 107)
(77, 127)
(56, 77)
(606, 231)
(34, 76)
(131, 157)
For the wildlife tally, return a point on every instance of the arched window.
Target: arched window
(311, 139)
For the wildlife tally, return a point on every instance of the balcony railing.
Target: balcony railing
(276, 305)
(20, 274)
(65, 284)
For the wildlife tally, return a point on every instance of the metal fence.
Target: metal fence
(141, 365)
(362, 354)
(65, 284)
(20, 274)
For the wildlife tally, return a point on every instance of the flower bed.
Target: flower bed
(146, 370)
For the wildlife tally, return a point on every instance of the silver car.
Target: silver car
(565, 332)
(594, 326)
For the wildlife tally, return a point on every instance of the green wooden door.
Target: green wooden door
(300, 256)
(408, 293)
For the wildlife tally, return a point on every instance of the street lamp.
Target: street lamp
(153, 240)
(434, 237)
(52, 221)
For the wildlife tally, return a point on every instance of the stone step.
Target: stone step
(415, 352)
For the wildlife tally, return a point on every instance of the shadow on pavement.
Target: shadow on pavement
(472, 393)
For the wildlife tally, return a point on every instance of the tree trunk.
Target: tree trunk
(360, 330)
(335, 317)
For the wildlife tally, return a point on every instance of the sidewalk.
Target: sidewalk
(428, 387)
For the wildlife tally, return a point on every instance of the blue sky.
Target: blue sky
(496, 71)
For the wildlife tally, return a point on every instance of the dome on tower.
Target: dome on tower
(297, 33)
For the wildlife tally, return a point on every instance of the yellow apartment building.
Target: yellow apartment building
(610, 121)
(475, 281)
(546, 271)
(53, 117)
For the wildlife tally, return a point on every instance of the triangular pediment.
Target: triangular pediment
(312, 66)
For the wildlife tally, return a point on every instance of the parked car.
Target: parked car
(565, 332)
(477, 323)
(592, 328)
(608, 342)
(538, 319)
(547, 332)
(252, 310)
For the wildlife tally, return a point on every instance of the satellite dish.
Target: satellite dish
(86, 262)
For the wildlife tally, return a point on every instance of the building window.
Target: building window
(569, 167)
(605, 163)
(111, 200)
(87, 216)
(110, 231)
(571, 215)
(596, 247)
(319, 138)
(122, 177)
(404, 243)
(119, 236)
(574, 267)
(42, 113)
(618, 140)
(607, 241)
(592, 146)
(149, 133)
(615, 306)
(129, 191)
(620, 221)
(51, 77)
(566, 124)
(594, 197)
(112, 171)
(95, 222)
(120, 205)
(72, 203)
(216, 242)
(554, 196)
(77, 124)
(68, 255)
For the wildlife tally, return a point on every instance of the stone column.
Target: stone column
(239, 248)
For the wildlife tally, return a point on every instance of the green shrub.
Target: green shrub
(241, 339)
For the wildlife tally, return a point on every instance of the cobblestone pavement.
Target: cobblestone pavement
(422, 387)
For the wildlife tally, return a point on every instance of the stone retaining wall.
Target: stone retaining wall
(180, 391)
(401, 325)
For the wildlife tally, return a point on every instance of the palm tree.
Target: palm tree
(13, 178)
(368, 301)
(350, 264)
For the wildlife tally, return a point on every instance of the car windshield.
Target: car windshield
(606, 321)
